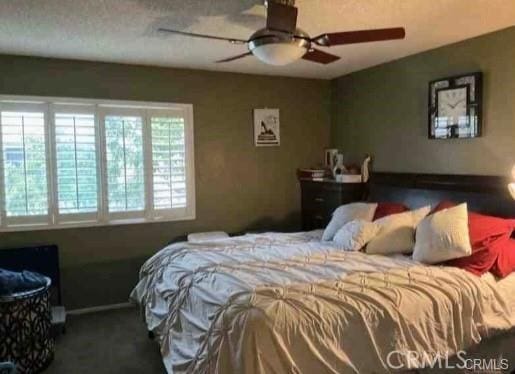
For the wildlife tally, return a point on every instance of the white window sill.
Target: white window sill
(85, 224)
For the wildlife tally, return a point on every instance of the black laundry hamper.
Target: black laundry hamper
(25, 323)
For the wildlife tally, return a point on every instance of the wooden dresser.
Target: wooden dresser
(320, 199)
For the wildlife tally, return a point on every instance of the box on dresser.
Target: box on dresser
(321, 198)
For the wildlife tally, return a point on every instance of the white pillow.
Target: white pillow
(397, 232)
(443, 236)
(201, 237)
(355, 235)
(347, 213)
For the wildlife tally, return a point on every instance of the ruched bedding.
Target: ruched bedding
(290, 303)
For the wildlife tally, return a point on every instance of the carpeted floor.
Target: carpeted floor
(116, 342)
(106, 342)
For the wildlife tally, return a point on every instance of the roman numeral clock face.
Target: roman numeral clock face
(452, 106)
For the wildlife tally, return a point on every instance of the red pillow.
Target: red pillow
(505, 263)
(446, 204)
(483, 258)
(487, 236)
(482, 227)
(387, 209)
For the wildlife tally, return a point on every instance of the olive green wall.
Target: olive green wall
(383, 110)
(238, 186)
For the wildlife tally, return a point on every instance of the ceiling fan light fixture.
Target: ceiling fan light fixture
(279, 53)
(276, 48)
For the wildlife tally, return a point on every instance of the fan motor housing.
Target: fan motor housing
(265, 36)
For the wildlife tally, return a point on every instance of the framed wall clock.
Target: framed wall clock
(455, 107)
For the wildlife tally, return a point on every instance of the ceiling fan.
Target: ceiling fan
(281, 42)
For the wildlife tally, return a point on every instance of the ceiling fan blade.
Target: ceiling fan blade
(203, 36)
(281, 17)
(229, 59)
(321, 57)
(362, 36)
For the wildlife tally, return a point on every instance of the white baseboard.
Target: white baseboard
(100, 308)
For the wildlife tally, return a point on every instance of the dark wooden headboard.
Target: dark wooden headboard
(484, 194)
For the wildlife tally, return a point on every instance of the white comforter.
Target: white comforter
(289, 303)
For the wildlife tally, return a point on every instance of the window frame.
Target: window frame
(189, 172)
(35, 220)
(100, 108)
(67, 218)
(122, 112)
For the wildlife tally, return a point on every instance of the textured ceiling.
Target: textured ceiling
(124, 30)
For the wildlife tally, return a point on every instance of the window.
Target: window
(70, 162)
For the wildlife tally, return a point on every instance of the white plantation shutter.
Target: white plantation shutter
(24, 161)
(168, 162)
(124, 162)
(73, 162)
(76, 163)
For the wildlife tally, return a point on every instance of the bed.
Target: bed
(290, 303)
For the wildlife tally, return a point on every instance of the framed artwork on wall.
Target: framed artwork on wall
(455, 107)
(267, 130)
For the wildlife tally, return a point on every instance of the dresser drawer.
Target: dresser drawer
(314, 221)
(320, 199)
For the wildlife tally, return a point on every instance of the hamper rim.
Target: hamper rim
(26, 294)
